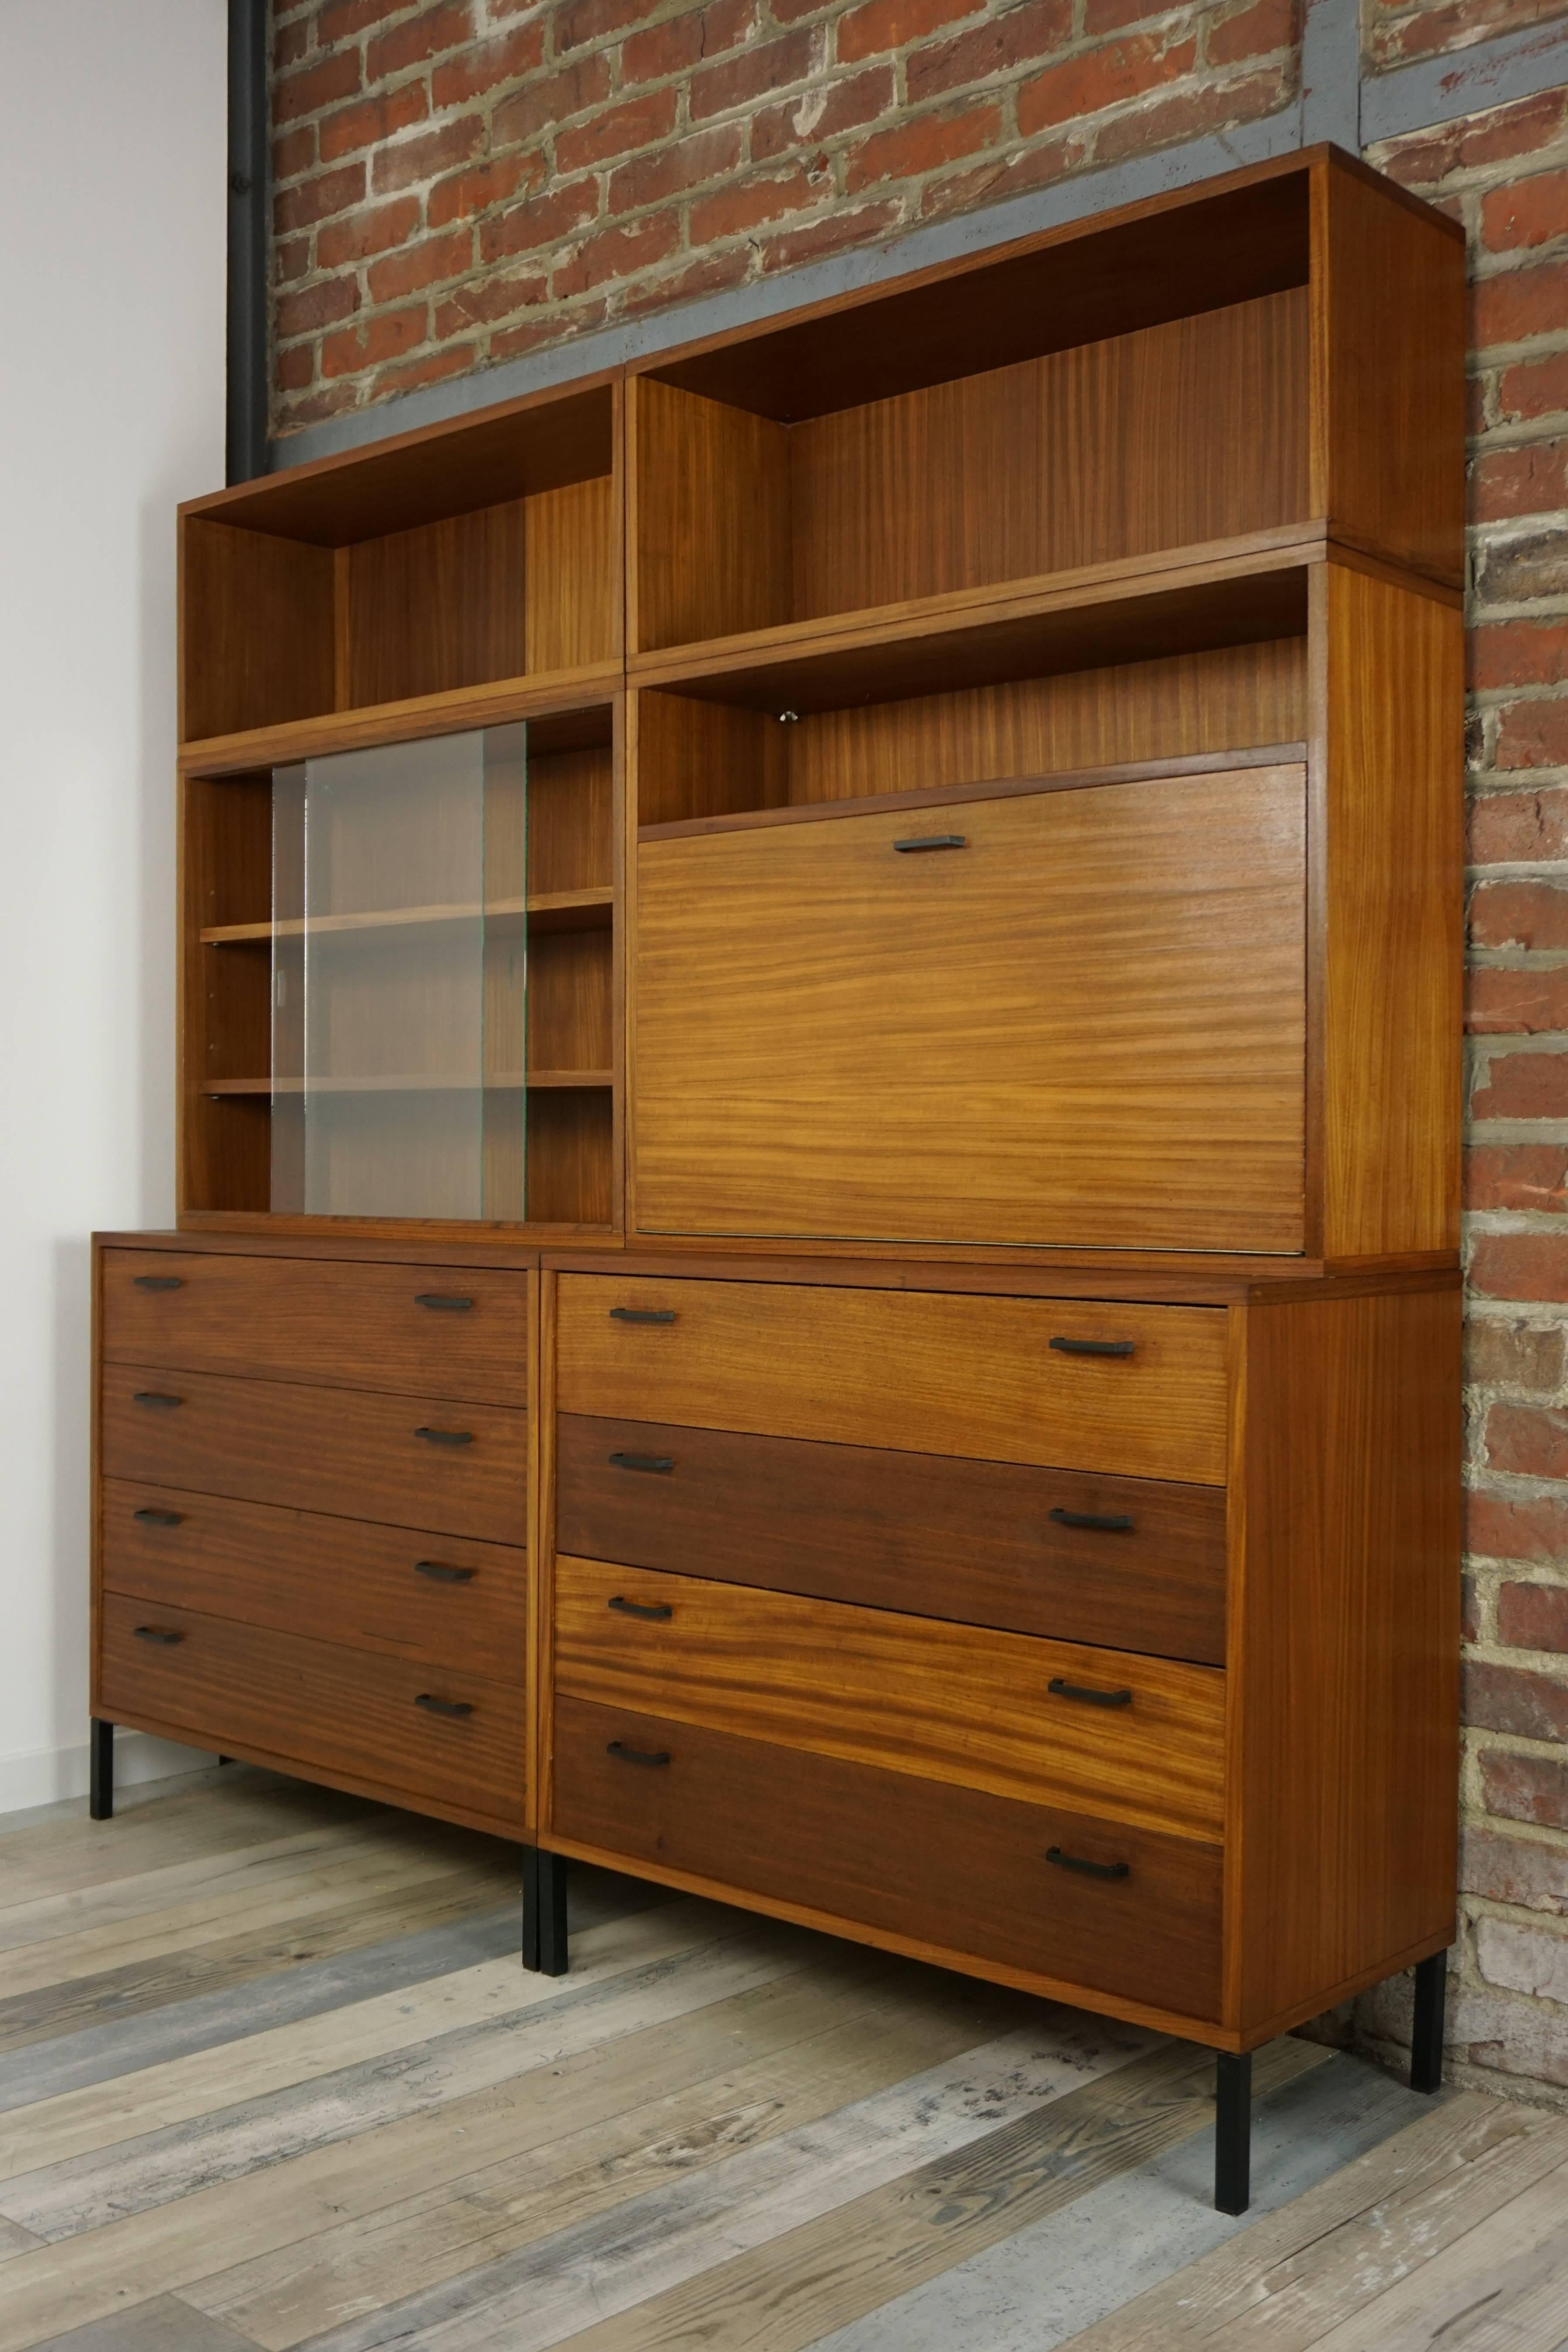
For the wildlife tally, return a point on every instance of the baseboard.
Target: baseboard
(49, 1774)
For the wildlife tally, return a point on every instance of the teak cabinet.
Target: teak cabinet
(818, 1123)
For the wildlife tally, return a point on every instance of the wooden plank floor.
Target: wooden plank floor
(271, 2074)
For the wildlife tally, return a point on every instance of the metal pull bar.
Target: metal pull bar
(624, 1755)
(642, 1314)
(159, 1281)
(440, 1303)
(932, 841)
(439, 1573)
(445, 1436)
(1094, 1347)
(661, 1463)
(654, 1610)
(455, 1708)
(156, 1399)
(159, 1633)
(1060, 1689)
(1090, 1869)
(152, 1519)
(1109, 1523)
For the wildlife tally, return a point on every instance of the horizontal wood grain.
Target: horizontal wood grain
(929, 1534)
(921, 1371)
(313, 1320)
(938, 1701)
(350, 1454)
(942, 1865)
(574, 704)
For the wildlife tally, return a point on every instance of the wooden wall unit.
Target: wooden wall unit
(939, 1416)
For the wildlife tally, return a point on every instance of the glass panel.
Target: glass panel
(505, 1172)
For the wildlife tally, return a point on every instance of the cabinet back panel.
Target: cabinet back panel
(436, 608)
(1086, 1026)
(573, 582)
(571, 845)
(570, 1146)
(571, 1011)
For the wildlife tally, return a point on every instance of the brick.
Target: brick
(1528, 212)
(669, 171)
(711, 274)
(293, 153)
(1427, 31)
(513, 342)
(317, 86)
(1526, 1789)
(290, 46)
(340, 19)
(1115, 15)
(1524, 1960)
(1499, 2030)
(1253, 31)
(681, 42)
(296, 368)
(551, 99)
(1519, 828)
(829, 235)
(1519, 915)
(418, 266)
(1527, 563)
(1108, 76)
(1531, 1176)
(1521, 1266)
(640, 122)
(386, 338)
(1531, 1528)
(1528, 1441)
(474, 72)
(411, 160)
(1534, 734)
(1532, 479)
(310, 201)
(1523, 1086)
(823, 113)
(1501, 1354)
(583, 21)
(372, 121)
(431, 367)
(1186, 114)
(1503, 133)
(1514, 1003)
(539, 221)
(326, 304)
(1470, 1610)
(468, 193)
(418, 38)
(616, 253)
(290, 259)
(1512, 305)
(1532, 1616)
(1517, 653)
(1517, 1699)
(1008, 175)
(367, 233)
(885, 25)
(328, 400)
(734, 210)
(1526, 1872)
(923, 143)
(1013, 37)
(764, 66)
(497, 295)
(1531, 388)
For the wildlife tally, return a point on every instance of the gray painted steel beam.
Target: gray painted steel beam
(1441, 90)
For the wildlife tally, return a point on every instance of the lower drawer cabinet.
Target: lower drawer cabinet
(424, 1732)
(955, 1870)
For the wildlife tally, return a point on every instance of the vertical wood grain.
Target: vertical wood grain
(707, 758)
(439, 606)
(573, 583)
(541, 1464)
(713, 518)
(258, 629)
(541, 1613)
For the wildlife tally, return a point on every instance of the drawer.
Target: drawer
(362, 1457)
(422, 1329)
(448, 1601)
(1126, 1563)
(316, 1704)
(952, 1868)
(941, 1701)
(1009, 1379)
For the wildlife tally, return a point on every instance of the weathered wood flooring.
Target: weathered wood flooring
(271, 2074)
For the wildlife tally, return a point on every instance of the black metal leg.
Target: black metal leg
(1232, 2133)
(100, 1752)
(1426, 2032)
(543, 1912)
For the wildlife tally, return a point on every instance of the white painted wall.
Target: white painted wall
(112, 204)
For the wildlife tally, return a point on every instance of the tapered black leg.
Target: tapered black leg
(100, 1752)
(543, 1912)
(1426, 2032)
(1232, 2133)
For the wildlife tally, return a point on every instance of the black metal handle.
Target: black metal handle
(152, 1519)
(156, 1398)
(445, 1436)
(440, 1303)
(661, 1463)
(439, 1573)
(159, 1281)
(1090, 1869)
(624, 1755)
(1058, 1688)
(1108, 1523)
(642, 1314)
(159, 1633)
(652, 1610)
(932, 841)
(455, 1708)
(1093, 1347)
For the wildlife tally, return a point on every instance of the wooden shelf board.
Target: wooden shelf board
(493, 1082)
(569, 710)
(550, 910)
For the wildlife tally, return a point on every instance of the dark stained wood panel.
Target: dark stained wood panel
(954, 1869)
(932, 1535)
(256, 630)
(708, 499)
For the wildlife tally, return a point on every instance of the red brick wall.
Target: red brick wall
(462, 181)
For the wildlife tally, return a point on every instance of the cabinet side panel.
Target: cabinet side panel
(573, 592)
(1346, 1766)
(1394, 891)
(710, 517)
(258, 619)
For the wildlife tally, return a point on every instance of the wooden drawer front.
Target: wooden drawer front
(335, 1710)
(918, 1372)
(991, 1543)
(1083, 1024)
(310, 1319)
(953, 1868)
(358, 1456)
(945, 1702)
(449, 1601)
